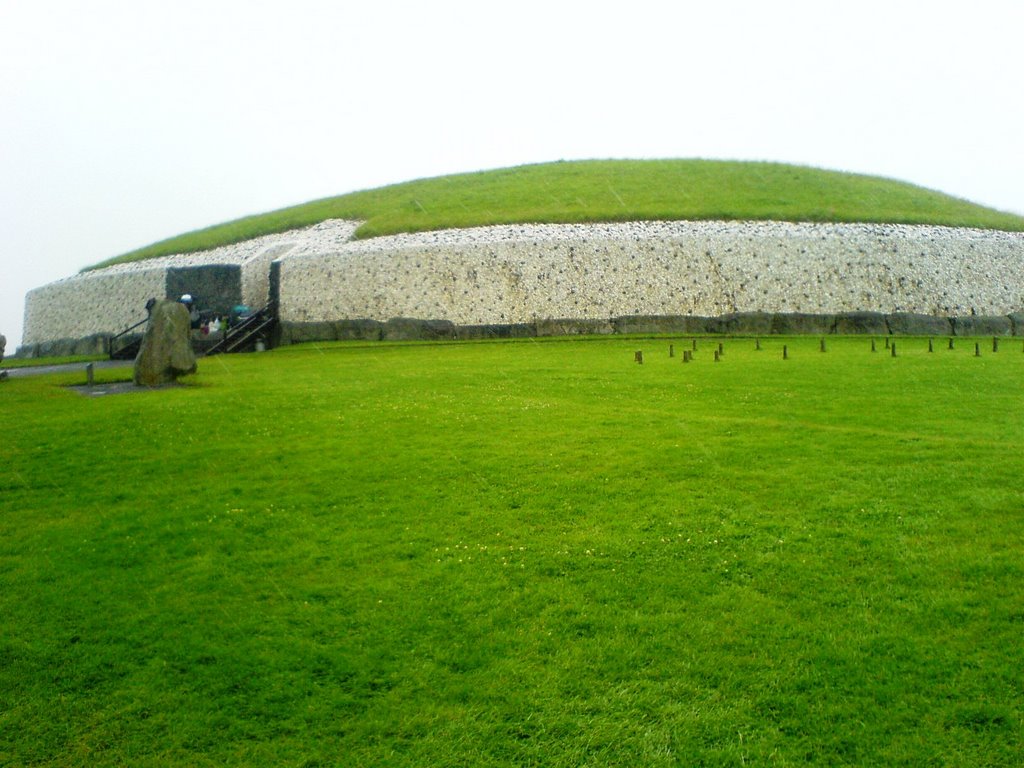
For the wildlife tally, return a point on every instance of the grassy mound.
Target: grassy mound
(609, 190)
(510, 554)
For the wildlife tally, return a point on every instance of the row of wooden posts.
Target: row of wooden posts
(889, 344)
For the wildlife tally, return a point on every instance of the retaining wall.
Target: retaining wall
(78, 314)
(540, 276)
(600, 278)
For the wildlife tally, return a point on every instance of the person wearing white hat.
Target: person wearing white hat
(193, 312)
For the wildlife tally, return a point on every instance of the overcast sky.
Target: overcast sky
(125, 122)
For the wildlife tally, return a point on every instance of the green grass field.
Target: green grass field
(528, 553)
(609, 190)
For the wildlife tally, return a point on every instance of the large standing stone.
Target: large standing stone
(166, 351)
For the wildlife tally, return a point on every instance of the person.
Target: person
(193, 312)
(238, 313)
(186, 299)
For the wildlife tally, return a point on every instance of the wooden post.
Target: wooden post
(717, 354)
(977, 349)
(893, 348)
(785, 352)
(930, 346)
(720, 350)
(873, 346)
(671, 350)
(950, 342)
(995, 344)
(757, 344)
(639, 357)
(823, 345)
(694, 345)
(89, 378)
(687, 355)
(886, 342)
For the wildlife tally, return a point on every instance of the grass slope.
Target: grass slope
(533, 553)
(609, 190)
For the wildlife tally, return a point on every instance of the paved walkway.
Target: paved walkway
(38, 370)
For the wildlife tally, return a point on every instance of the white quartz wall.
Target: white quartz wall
(103, 301)
(513, 274)
(106, 301)
(524, 273)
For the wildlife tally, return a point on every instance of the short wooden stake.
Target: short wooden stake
(671, 350)
(717, 354)
(822, 345)
(950, 342)
(687, 355)
(977, 349)
(930, 346)
(89, 378)
(785, 352)
(639, 357)
(694, 345)
(995, 344)
(720, 351)
(893, 348)
(873, 346)
(886, 342)
(757, 345)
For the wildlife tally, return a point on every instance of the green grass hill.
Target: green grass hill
(608, 190)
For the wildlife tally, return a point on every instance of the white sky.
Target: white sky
(123, 122)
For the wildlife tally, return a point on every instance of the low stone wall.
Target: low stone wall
(737, 324)
(646, 277)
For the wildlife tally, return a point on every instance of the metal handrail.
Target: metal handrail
(241, 333)
(127, 330)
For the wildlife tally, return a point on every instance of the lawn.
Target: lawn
(520, 553)
(608, 190)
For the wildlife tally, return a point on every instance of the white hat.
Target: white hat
(186, 297)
